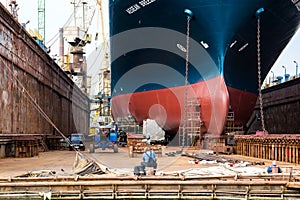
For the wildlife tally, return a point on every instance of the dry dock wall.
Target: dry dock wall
(24, 63)
(281, 106)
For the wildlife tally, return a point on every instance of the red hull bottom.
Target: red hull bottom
(242, 104)
(166, 106)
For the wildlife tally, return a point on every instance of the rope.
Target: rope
(259, 76)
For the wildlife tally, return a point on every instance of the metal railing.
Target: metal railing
(274, 186)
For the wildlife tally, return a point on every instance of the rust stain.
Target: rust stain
(24, 63)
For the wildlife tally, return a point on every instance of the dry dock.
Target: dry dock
(177, 178)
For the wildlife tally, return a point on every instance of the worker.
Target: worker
(274, 165)
(122, 138)
(149, 159)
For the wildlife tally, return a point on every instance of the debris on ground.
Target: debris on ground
(220, 170)
(207, 158)
(83, 165)
(171, 154)
(40, 173)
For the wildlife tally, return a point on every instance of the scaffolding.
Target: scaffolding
(229, 122)
(192, 134)
(230, 125)
(129, 125)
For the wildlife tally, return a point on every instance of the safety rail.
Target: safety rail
(270, 186)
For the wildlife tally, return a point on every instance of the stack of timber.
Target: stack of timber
(31, 80)
(219, 143)
(278, 147)
(136, 145)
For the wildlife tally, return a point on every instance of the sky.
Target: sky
(59, 11)
(290, 54)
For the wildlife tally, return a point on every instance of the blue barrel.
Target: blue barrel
(113, 136)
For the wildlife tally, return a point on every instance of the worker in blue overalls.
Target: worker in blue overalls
(149, 159)
(274, 165)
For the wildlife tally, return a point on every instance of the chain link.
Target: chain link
(186, 80)
(259, 77)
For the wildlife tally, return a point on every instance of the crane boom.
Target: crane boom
(41, 18)
(99, 2)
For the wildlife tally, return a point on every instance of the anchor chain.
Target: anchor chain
(186, 80)
(259, 76)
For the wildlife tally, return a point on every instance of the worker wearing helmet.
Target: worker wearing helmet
(149, 158)
(274, 165)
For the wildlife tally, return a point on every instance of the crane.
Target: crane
(99, 2)
(41, 19)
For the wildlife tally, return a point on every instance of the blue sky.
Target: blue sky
(58, 11)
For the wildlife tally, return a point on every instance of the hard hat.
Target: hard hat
(146, 149)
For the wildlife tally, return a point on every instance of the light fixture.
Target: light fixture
(273, 76)
(296, 67)
(284, 70)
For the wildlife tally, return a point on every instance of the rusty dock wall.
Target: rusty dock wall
(281, 106)
(27, 71)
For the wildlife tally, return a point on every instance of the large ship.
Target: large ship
(165, 52)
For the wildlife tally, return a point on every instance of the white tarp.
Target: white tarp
(152, 131)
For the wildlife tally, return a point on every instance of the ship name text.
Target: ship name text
(132, 9)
